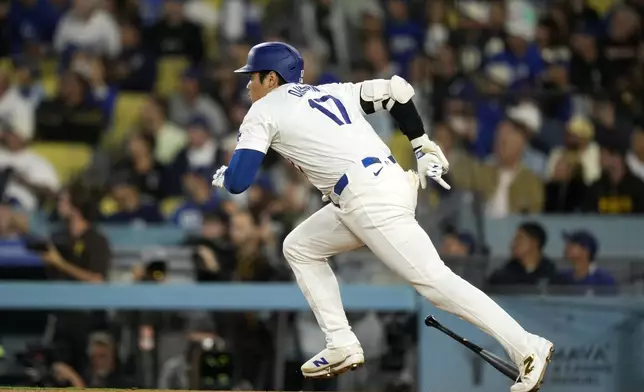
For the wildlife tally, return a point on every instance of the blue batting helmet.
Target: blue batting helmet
(275, 56)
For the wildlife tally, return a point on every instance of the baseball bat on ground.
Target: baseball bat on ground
(505, 367)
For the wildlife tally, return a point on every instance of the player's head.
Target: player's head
(271, 64)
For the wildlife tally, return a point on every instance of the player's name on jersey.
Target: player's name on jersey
(300, 89)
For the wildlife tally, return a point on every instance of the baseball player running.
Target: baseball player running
(323, 132)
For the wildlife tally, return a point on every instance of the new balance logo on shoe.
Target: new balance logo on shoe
(528, 365)
(320, 362)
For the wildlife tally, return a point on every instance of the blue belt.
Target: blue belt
(344, 180)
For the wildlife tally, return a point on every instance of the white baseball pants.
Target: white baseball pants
(379, 212)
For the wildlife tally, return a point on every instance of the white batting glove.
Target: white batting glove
(218, 177)
(431, 162)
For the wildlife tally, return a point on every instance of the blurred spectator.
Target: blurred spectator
(528, 266)
(190, 102)
(27, 84)
(458, 244)
(174, 35)
(32, 21)
(212, 254)
(104, 370)
(13, 103)
(71, 116)
(619, 48)
(572, 168)
(124, 10)
(635, 157)
(169, 139)
(479, 32)
(87, 27)
(136, 67)
(200, 199)
(132, 208)
(404, 36)
(93, 69)
(618, 190)
(325, 29)
(248, 237)
(556, 101)
(202, 151)
(507, 185)
(437, 33)
(584, 61)
(375, 51)
(33, 180)
(520, 52)
(149, 176)
(612, 128)
(581, 249)
(448, 85)
(490, 110)
(79, 252)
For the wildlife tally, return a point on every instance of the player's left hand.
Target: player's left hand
(218, 177)
(431, 163)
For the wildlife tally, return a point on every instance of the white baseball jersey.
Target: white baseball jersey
(320, 129)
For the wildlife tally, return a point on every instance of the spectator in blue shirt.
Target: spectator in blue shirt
(200, 199)
(32, 21)
(405, 38)
(520, 52)
(581, 249)
(132, 207)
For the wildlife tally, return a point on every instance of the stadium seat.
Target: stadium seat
(6, 64)
(170, 205)
(68, 159)
(49, 67)
(126, 117)
(170, 69)
(108, 206)
(50, 85)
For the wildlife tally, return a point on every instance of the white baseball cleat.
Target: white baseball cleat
(533, 366)
(331, 362)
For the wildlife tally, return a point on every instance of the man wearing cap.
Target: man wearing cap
(528, 266)
(507, 184)
(202, 151)
(581, 249)
(573, 167)
(200, 199)
(33, 178)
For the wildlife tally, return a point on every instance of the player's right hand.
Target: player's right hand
(218, 178)
(431, 163)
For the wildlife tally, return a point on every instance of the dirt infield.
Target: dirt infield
(28, 389)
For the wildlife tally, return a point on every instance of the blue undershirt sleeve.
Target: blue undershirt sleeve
(242, 169)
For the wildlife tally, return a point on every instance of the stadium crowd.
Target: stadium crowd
(120, 111)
